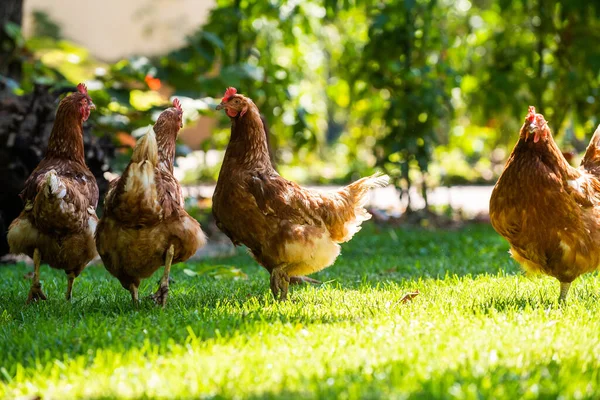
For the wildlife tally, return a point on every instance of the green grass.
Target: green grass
(479, 329)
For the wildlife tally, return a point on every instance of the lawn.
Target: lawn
(478, 329)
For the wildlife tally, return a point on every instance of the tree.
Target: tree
(534, 52)
(405, 59)
(11, 15)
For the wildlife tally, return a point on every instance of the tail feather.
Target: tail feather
(138, 200)
(361, 187)
(146, 149)
(591, 159)
(351, 211)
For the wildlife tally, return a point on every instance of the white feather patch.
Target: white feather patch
(92, 224)
(577, 184)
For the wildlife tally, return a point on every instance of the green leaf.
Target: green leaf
(213, 39)
(14, 32)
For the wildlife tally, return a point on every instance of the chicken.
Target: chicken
(144, 225)
(291, 231)
(547, 210)
(25, 126)
(58, 222)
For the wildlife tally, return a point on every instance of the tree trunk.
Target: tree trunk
(404, 173)
(10, 11)
(424, 190)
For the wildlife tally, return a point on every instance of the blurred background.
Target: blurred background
(431, 92)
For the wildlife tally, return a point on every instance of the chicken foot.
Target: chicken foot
(35, 292)
(71, 277)
(564, 290)
(299, 280)
(160, 297)
(279, 283)
(133, 289)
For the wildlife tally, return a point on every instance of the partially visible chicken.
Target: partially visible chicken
(144, 225)
(58, 222)
(547, 210)
(290, 230)
(26, 123)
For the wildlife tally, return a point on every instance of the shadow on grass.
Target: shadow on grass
(520, 303)
(101, 315)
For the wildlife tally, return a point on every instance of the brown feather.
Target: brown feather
(144, 212)
(283, 224)
(547, 210)
(60, 197)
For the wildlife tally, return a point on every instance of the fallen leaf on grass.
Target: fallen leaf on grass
(218, 272)
(409, 296)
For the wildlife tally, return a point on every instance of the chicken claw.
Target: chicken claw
(299, 280)
(35, 293)
(161, 295)
(279, 284)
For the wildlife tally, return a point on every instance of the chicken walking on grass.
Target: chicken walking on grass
(145, 225)
(289, 230)
(547, 210)
(58, 222)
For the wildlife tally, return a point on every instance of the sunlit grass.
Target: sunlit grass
(478, 329)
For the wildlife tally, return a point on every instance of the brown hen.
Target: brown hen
(58, 222)
(144, 225)
(290, 230)
(547, 210)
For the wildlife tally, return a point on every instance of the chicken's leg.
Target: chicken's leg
(160, 297)
(564, 289)
(133, 289)
(279, 283)
(71, 277)
(35, 292)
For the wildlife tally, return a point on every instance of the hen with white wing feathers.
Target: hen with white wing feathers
(59, 220)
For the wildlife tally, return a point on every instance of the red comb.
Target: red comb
(540, 120)
(81, 88)
(531, 114)
(177, 105)
(229, 93)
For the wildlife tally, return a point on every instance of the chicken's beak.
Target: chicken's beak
(220, 106)
(92, 106)
(530, 130)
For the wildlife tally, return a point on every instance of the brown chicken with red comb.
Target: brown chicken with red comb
(290, 230)
(144, 225)
(547, 210)
(58, 222)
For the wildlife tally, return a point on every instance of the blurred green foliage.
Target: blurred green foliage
(432, 91)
